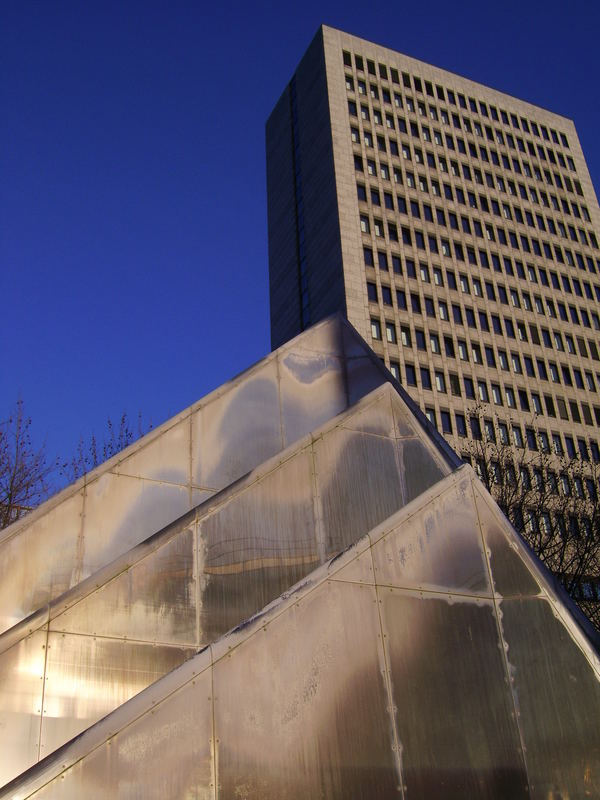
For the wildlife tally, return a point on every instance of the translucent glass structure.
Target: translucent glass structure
(351, 617)
(187, 459)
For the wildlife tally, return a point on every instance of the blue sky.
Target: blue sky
(133, 230)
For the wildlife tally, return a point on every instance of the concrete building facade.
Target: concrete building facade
(458, 230)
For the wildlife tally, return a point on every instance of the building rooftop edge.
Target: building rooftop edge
(474, 83)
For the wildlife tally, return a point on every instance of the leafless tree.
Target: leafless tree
(94, 451)
(24, 469)
(552, 500)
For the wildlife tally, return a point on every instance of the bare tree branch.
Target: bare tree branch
(24, 470)
(550, 500)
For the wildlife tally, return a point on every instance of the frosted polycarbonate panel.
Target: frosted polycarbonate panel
(120, 512)
(312, 389)
(301, 708)
(454, 711)
(359, 570)
(233, 430)
(165, 458)
(438, 547)
(510, 574)
(237, 430)
(199, 496)
(421, 469)
(358, 483)
(154, 600)
(88, 677)
(164, 754)
(362, 376)
(258, 544)
(39, 561)
(406, 424)
(376, 418)
(21, 688)
(327, 337)
(558, 695)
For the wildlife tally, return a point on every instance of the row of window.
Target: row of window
(474, 227)
(494, 292)
(529, 194)
(587, 590)
(559, 281)
(425, 211)
(481, 391)
(543, 306)
(551, 339)
(513, 362)
(497, 183)
(479, 152)
(514, 435)
(495, 233)
(390, 145)
(479, 107)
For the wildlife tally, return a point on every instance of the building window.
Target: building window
(390, 332)
(430, 414)
(476, 428)
(517, 436)
(490, 433)
(446, 422)
(454, 384)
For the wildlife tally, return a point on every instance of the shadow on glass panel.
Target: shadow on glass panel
(238, 430)
(359, 485)
(455, 717)
(312, 389)
(558, 696)
(302, 710)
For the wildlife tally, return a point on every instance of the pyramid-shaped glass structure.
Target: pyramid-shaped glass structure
(292, 589)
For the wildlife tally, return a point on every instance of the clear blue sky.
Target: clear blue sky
(133, 230)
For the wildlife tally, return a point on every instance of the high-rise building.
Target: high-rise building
(456, 227)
